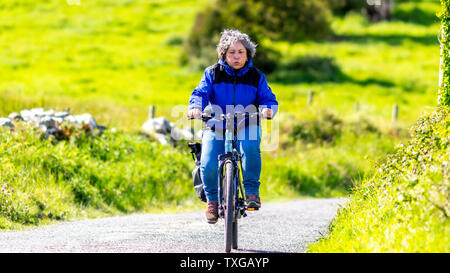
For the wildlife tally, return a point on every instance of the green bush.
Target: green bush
(320, 178)
(326, 128)
(444, 88)
(293, 20)
(281, 20)
(307, 68)
(113, 172)
(404, 207)
(323, 128)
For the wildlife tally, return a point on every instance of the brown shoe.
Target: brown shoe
(253, 202)
(212, 212)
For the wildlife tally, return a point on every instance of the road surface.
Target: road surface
(277, 227)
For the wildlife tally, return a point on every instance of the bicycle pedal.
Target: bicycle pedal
(252, 209)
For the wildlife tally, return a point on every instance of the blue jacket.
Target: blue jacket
(221, 85)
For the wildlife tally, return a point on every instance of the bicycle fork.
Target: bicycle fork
(239, 187)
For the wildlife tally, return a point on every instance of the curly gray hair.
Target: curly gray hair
(231, 36)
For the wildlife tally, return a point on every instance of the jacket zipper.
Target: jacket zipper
(234, 92)
(234, 100)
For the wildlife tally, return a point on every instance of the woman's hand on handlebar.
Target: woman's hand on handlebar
(267, 113)
(195, 113)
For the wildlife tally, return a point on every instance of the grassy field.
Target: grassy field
(114, 59)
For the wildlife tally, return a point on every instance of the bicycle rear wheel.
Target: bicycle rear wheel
(229, 208)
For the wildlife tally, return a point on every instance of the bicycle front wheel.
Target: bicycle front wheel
(229, 208)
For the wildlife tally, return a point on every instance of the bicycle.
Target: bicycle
(231, 190)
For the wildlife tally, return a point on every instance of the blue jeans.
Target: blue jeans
(248, 144)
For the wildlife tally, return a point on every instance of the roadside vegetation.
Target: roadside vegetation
(404, 207)
(114, 59)
(115, 173)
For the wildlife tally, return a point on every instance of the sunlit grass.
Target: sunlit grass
(404, 206)
(115, 58)
(120, 55)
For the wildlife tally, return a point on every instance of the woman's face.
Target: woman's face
(236, 55)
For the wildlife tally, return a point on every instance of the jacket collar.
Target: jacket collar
(241, 72)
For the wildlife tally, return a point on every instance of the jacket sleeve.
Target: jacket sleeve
(265, 97)
(200, 97)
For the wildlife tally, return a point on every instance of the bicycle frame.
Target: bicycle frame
(231, 156)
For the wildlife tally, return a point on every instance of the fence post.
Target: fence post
(356, 107)
(395, 113)
(310, 97)
(151, 112)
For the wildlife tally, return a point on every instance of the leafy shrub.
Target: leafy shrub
(10, 207)
(444, 81)
(364, 126)
(320, 178)
(286, 20)
(308, 68)
(404, 207)
(326, 128)
(293, 20)
(115, 171)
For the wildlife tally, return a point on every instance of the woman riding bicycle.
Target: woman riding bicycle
(232, 83)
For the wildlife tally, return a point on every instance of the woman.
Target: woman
(230, 84)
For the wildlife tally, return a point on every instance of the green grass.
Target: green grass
(95, 57)
(322, 155)
(101, 56)
(404, 206)
(114, 59)
(379, 64)
(112, 173)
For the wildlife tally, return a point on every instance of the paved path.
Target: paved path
(277, 227)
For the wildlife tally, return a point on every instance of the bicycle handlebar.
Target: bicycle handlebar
(206, 117)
